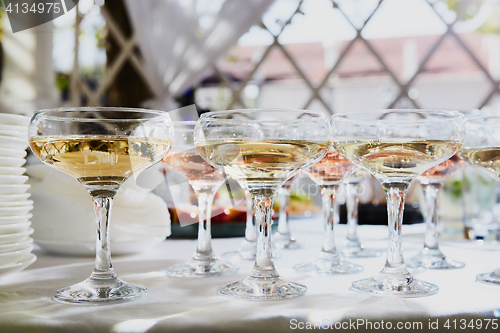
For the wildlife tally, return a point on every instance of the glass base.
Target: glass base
(95, 291)
(286, 241)
(433, 259)
(201, 268)
(397, 285)
(263, 288)
(328, 267)
(491, 277)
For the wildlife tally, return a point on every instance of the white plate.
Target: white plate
(9, 258)
(70, 248)
(12, 161)
(15, 134)
(16, 238)
(9, 211)
(15, 219)
(14, 189)
(13, 180)
(14, 228)
(15, 246)
(14, 119)
(19, 153)
(14, 197)
(13, 143)
(18, 266)
(13, 128)
(12, 171)
(19, 203)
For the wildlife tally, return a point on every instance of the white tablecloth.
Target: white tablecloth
(185, 305)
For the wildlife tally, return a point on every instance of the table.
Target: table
(194, 305)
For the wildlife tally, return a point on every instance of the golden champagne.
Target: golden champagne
(261, 163)
(99, 160)
(397, 159)
(486, 158)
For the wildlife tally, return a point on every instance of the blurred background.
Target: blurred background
(323, 55)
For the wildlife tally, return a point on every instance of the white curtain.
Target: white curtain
(176, 50)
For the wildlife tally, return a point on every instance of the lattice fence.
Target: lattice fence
(80, 88)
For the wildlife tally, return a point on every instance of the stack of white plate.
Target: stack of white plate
(15, 241)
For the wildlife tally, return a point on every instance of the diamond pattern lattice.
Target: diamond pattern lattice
(403, 86)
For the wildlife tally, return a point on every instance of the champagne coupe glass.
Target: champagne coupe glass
(205, 181)
(261, 164)
(432, 181)
(283, 238)
(328, 174)
(352, 246)
(396, 146)
(101, 148)
(481, 150)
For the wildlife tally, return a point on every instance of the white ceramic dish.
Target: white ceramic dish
(14, 197)
(13, 142)
(14, 189)
(18, 266)
(13, 128)
(20, 203)
(15, 134)
(70, 248)
(13, 180)
(16, 238)
(15, 219)
(16, 246)
(12, 171)
(9, 258)
(18, 153)
(12, 161)
(21, 210)
(14, 228)
(14, 119)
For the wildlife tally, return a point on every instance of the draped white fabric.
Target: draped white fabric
(176, 50)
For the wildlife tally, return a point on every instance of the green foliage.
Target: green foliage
(62, 81)
(465, 9)
(455, 190)
(492, 24)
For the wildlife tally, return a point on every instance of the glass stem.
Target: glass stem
(431, 235)
(103, 269)
(331, 217)
(205, 200)
(250, 230)
(264, 265)
(283, 226)
(396, 197)
(352, 202)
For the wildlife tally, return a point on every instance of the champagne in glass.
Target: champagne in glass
(261, 165)
(328, 174)
(352, 246)
(396, 146)
(205, 181)
(481, 150)
(432, 181)
(101, 148)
